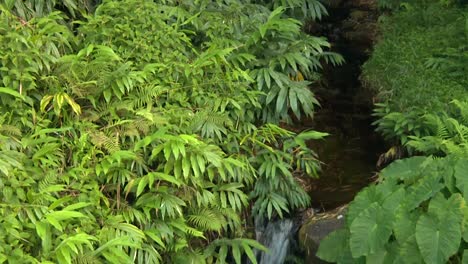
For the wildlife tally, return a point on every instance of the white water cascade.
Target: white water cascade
(277, 237)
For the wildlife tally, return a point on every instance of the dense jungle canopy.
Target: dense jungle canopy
(156, 131)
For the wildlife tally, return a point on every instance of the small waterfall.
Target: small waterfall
(277, 237)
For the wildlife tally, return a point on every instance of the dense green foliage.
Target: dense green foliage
(148, 131)
(419, 66)
(417, 212)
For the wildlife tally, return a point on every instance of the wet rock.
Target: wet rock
(318, 227)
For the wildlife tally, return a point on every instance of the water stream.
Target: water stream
(350, 153)
(277, 236)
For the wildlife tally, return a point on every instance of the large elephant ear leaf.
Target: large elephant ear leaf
(335, 246)
(461, 176)
(409, 252)
(465, 257)
(438, 237)
(406, 169)
(465, 224)
(405, 224)
(423, 190)
(361, 202)
(456, 203)
(393, 201)
(387, 255)
(370, 231)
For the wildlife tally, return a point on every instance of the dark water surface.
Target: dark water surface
(351, 152)
(349, 155)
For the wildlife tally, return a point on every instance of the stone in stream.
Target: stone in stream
(318, 227)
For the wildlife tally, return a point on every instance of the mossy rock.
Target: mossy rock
(318, 227)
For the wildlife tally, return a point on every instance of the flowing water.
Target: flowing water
(277, 237)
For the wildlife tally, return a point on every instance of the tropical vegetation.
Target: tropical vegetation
(151, 131)
(417, 211)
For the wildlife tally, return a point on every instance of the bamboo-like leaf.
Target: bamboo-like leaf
(45, 101)
(5, 90)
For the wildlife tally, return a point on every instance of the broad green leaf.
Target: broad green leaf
(409, 252)
(465, 257)
(405, 169)
(63, 256)
(422, 190)
(404, 225)
(461, 176)
(370, 231)
(333, 247)
(363, 200)
(54, 188)
(447, 207)
(393, 201)
(465, 224)
(64, 215)
(386, 255)
(438, 239)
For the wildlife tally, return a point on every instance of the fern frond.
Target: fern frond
(462, 108)
(101, 140)
(148, 95)
(211, 124)
(207, 219)
(10, 130)
(87, 259)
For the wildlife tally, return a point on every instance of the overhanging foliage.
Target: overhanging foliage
(147, 130)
